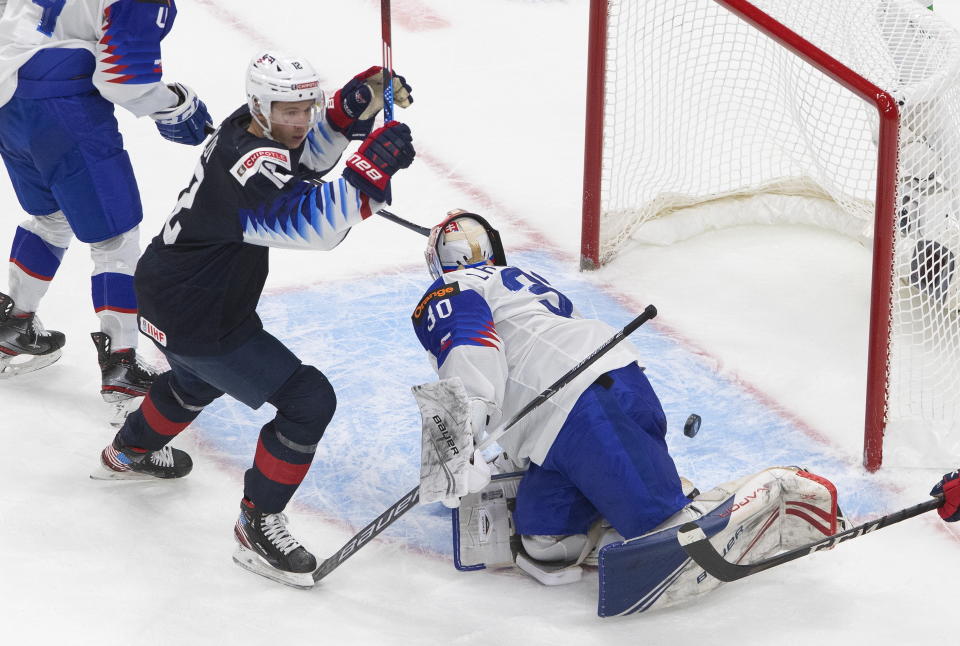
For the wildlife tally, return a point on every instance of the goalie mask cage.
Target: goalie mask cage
(838, 113)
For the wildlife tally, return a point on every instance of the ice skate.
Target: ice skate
(265, 547)
(25, 346)
(125, 378)
(118, 462)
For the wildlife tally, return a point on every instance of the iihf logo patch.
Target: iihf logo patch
(153, 331)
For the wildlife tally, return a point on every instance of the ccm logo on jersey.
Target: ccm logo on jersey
(153, 331)
(253, 161)
(440, 292)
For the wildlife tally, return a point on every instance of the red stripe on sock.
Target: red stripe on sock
(157, 421)
(111, 308)
(276, 469)
(32, 274)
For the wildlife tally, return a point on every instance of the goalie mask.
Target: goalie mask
(463, 240)
(274, 77)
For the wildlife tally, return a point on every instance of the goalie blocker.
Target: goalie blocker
(746, 520)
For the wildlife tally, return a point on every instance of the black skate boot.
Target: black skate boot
(118, 462)
(124, 378)
(267, 548)
(24, 345)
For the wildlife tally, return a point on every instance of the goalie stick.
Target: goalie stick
(699, 548)
(409, 500)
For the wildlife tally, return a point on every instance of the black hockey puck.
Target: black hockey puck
(692, 426)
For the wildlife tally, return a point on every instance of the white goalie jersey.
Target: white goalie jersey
(508, 335)
(122, 35)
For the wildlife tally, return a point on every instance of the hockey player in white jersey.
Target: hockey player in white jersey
(64, 64)
(257, 185)
(598, 467)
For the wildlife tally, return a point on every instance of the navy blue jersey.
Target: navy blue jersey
(199, 280)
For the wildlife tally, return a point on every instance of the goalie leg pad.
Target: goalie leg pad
(484, 535)
(746, 520)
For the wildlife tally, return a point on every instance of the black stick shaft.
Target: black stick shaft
(393, 217)
(706, 556)
(409, 501)
(648, 313)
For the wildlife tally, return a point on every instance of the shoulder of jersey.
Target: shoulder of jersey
(243, 153)
(475, 278)
(440, 289)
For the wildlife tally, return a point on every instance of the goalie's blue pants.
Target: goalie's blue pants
(610, 459)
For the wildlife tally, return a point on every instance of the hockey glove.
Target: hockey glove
(385, 151)
(353, 107)
(949, 486)
(188, 122)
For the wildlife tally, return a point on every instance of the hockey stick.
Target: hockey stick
(393, 217)
(409, 500)
(387, 60)
(699, 548)
(648, 313)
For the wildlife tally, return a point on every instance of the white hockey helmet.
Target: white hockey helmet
(462, 240)
(274, 76)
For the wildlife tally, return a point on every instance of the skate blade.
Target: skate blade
(106, 473)
(33, 363)
(253, 562)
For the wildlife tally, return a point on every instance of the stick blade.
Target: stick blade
(698, 547)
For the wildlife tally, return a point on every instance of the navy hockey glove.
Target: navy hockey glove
(385, 151)
(949, 486)
(188, 122)
(353, 108)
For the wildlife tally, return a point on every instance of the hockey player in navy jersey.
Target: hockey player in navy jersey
(257, 185)
(598, 469)
(64, 64)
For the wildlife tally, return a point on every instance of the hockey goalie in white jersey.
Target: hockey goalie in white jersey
(597, 466)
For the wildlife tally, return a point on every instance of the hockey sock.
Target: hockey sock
(279, 466)
(114, 262)
(115, 303)
(162, 415)
(33, 264)
(305, 405)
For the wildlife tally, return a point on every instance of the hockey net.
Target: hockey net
(839, 113)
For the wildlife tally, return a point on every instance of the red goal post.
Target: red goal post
(894, 56)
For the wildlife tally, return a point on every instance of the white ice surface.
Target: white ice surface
(778, 314)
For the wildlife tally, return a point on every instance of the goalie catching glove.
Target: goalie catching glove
(353, 107)
(949, 487)
(450, 465)
(188, 122)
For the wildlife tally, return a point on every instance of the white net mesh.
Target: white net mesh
(702, 107)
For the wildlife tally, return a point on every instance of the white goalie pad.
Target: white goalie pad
(746, 520)
(449, 466)
(483, 532)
